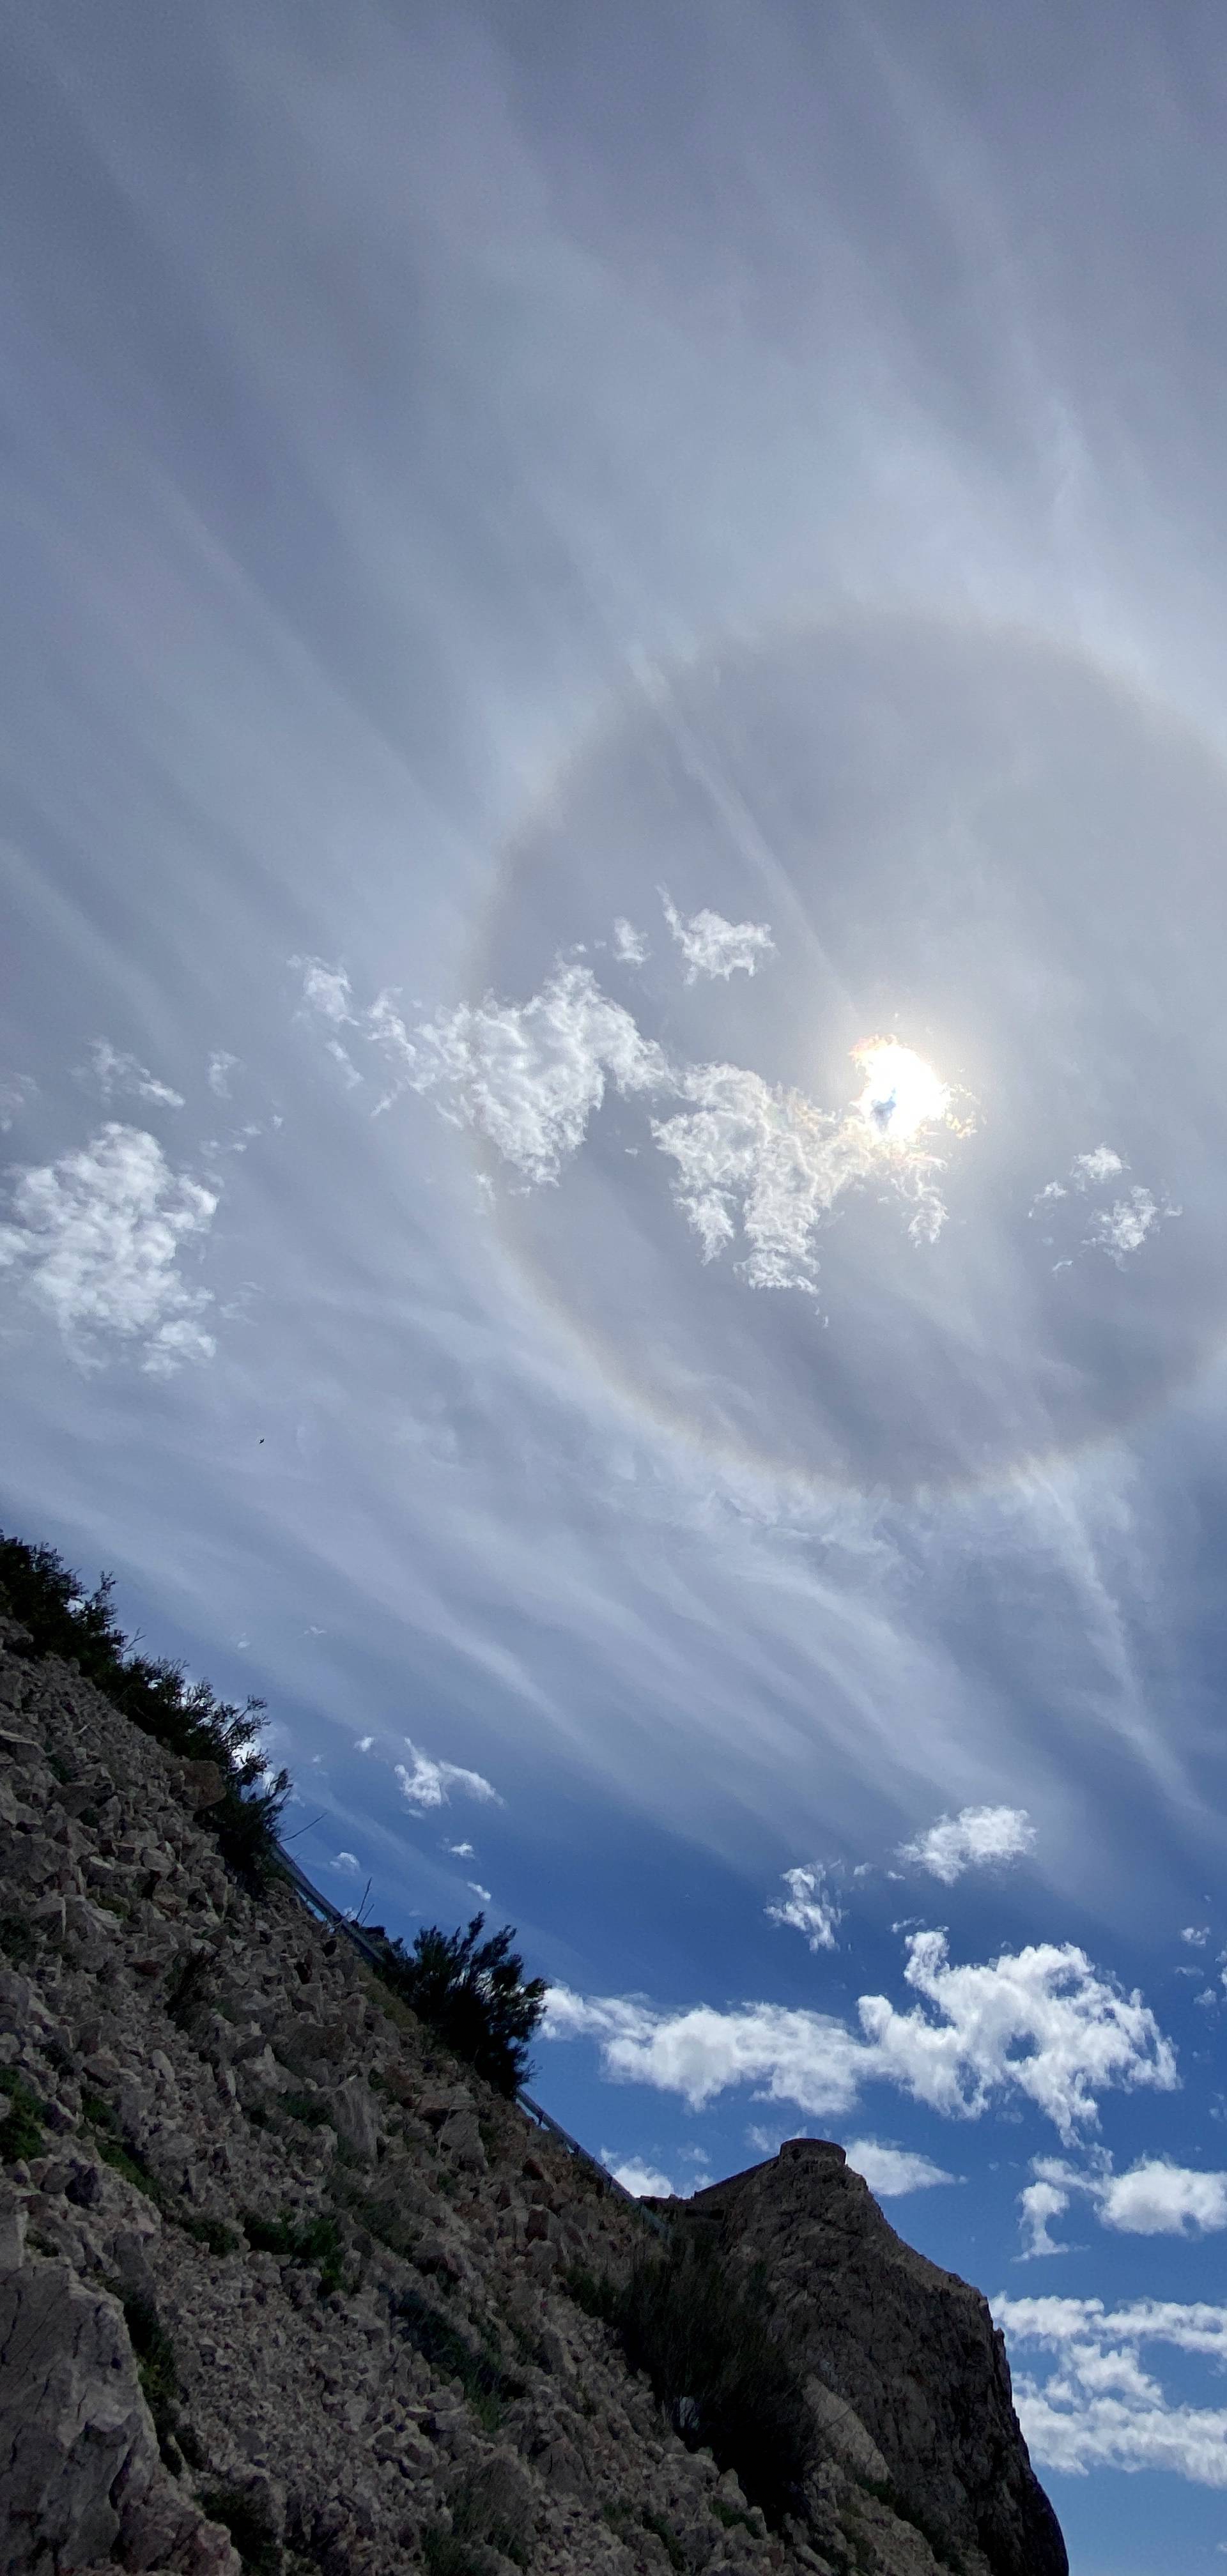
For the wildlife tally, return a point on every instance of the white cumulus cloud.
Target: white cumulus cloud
(1099, 2407)
(971, 1840)
(806, 1909)
(1089, 1171)
(1155, 2197)
(892, 2171)
(1197, 1935)
(1043, 2024)
(1040, 2204)
(713, 946)
(530, 1076)
(347, 1863)
(636, 2176)
(431, 1784)
(95, 1242)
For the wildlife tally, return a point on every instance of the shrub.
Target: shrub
(725, 2383)
(246, 2519)
(155, 2362)
(17, 1940)
(187, 1717)
(473, 1995)
(189, 1985)
(665, 2533)
(486, 2384)
(317, 2241)
(21, 2133)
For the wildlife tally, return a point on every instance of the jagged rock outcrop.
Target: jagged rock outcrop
(283, 2288)
(908, 2352)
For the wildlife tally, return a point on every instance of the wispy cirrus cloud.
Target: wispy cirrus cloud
(806, 1908)
(17, 1090)
(1041, 2024)
(95, 1241)
(975, 1838)
(116, 1075)
(716, 947)
(220, 1067)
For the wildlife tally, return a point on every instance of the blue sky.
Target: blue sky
(614, 1079)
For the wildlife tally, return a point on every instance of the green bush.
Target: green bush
(722, 2379)
(21, 2133)
(473, 1995)
(37, 1588)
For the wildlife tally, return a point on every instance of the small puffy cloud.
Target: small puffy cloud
(432, 1784)
(530, 1076)
(1156, 2198)
(221, 1066)
(636, 2176)
(364, 1742)
(764, 1162)
(95, 1241)
(1197, 1935)
(806, 1909)
(971, 1840)
(347, 1863)
(713, 946)
(116, 1075)
(461, 1851)
(1123, 1228)
(1099, 2407)
(629, 945)
(326, 990)
(16, 1091)
(892, 2171)
(1089, 1171)
(1042, 2024)
(1039, 2204)
(1120, 1227)
(476, 1890)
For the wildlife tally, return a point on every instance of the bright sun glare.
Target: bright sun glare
(901, 1094)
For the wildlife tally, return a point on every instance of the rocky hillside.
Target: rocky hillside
(283, 2289)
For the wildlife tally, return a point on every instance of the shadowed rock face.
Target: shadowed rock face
(912, 2349)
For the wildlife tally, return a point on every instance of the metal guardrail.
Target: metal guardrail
(312, 1897)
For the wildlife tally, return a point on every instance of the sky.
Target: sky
(613, 1071)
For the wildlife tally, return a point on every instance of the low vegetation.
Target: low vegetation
(471, 1992)
(37, 1588)
(473, 1995)
(721, 2378)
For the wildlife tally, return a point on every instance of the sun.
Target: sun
(901, 1092)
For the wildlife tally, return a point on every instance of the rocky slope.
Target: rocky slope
(282, 2289)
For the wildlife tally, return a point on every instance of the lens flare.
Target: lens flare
(902, 1093)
